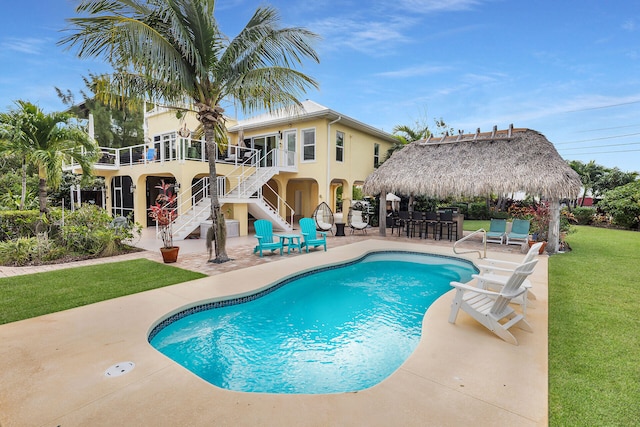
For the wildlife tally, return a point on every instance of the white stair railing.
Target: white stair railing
(247, 182)
(282, 213)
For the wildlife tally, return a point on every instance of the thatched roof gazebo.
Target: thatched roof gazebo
(498, 162)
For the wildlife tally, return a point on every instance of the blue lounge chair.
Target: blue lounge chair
(497, 230)
(266, 239)
(312, 237)
(519, 232)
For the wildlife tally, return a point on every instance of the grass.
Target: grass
(31, 295)
(594, 368)
(475, 224)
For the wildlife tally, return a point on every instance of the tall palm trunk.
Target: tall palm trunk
(42, 197)
(217, 235)
(23, 193)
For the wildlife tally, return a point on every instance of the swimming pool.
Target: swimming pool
(338, 328)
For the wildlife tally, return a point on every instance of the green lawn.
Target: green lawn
(31, 295)
(594, 326)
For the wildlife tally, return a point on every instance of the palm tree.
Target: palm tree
(174, 51)
(590, 173)
(45, 141)
(406, 134)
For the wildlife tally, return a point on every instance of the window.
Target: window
(308, 145)
(376, 155)
(339, 146)
(166, 143)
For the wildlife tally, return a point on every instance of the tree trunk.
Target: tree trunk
(554, 226)
(42, 197)
(210, 119)
(23, 194)
(219, 228)
(382, 213)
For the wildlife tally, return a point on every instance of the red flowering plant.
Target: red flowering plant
(164, 212)
(540, 217)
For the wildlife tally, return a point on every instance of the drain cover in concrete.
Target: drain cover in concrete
(119, 369)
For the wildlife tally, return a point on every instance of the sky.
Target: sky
(569, 69)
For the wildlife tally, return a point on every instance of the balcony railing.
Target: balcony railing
(181, 150)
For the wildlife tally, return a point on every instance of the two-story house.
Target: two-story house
(276, 166)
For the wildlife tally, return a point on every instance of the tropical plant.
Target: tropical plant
(89, 231)
(613, 178)
(114, 125)
(623, 205)
(45, 141)
(590, 173)
(584, 215)
(164, 212)
(539, 216)
(405, 134)
(18, 252)
(174, 51)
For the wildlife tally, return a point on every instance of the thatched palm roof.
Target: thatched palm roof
(496, 162)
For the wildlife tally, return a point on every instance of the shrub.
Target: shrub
(20, 251)
(478, 211)
(623, 205)
(500, 215)
(15, 224)
(584, 215)
(463, 208)
(89, 230)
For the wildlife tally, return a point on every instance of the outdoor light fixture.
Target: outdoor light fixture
(176, 186)
(132, 188)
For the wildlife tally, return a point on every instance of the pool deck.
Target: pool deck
(52, 368)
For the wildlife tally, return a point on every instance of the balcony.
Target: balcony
(186, 149)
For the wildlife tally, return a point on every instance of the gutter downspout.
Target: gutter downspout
(328, 189)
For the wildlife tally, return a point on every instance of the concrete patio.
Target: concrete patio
(52, 368)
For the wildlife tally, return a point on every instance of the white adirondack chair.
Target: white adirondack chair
(492, 308)
(499, 271)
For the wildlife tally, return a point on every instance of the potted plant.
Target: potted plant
(164, 212)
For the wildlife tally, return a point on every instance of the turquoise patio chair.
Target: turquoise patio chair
(497, 231)
(519, 232)
(312, 237)
(266, 239)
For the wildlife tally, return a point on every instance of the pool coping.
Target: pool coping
(53, 366)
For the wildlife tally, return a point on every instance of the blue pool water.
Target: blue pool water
(337, 329)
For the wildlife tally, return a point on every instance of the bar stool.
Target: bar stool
(431, 220)
(446, 220)
(393, 223)
(417, 219)
(403, 221)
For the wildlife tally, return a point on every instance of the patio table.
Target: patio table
(291, 241)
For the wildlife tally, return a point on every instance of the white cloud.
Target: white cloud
(29, 46)
(417, 71)
(372, 37)
(431, 6)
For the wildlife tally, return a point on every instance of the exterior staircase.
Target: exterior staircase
(247, 184)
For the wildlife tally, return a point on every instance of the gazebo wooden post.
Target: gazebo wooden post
(554, 226)
(382, 213)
